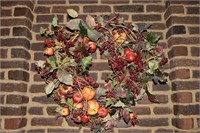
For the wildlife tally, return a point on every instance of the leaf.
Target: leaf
(90, 21)
(152, 98)
(72, 13)
(108, 102)
(65, 78)
(70, 103)
(40, 64)
(153, 38)
(50, 87)
(52, 61)
(55, 21)
(100, 92)
(42, 31)
(73, 63)
(93, 35)
(135, 27)
(153, 65)
(116, 115)
(86, 61)
(101, 21)
(141, 94)
(58, 109)
(73, 24)
(83, 30)
(119, 104)
(107, 118)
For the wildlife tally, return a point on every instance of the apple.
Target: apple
(65, 89)
(132, 115)
(64, 112)
(86, 40)
(88, 93)
(93, 107)
(120, 37)
(77, 97)
(127, 51)
(85, 119)
(49, 51)
(103, 112)
(92, 47)
(78, 105)
(130, 57)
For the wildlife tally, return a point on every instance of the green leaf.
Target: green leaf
(116, 115)
(42, 31)
(108, 102)
(58, 109)
(73, 24)
(107, 118)
(114, 83)
(141, 94)
(52, 61)
(144, 80)
(152, 38)
(73, 63)
(55, 21)
(93, 35)
(70, 103)
(65, 78)
(100, 91)
(72, 13)
(83, 30)
(119, 104)
(135, 27)
(63, 101)
(153, 65)
(86, 61)
(101, 21)
(90, 21)
(50, 87)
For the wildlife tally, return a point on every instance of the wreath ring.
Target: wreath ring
(133, 55)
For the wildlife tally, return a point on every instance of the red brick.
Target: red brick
(183, 123)
(178, 9)
(36, 131)
(13, 111)
(15, 123)
(174, 30)
(185, 85)
(95, 8)
(39, 56)
(105, 75)
(20, 53)
(146, 1)
(129, 8)
(14, 3)
(23, 11)
(43, 100)
(42, 10)
(192, 10)
(161, 87)
(187, 109)
(142, 110)
(62, 130)
(2, 75)
(152, 122)
(18, 75)
(180, 74)
(40, 38)
(182, 40)
(196, 74)
(51, 110)
(35, 110)
(45, 121)
(63, 9)
(16, 99)
(115, 1)
(158, 26)
(197, 96)
(182, 97)
(2, 99)
(50, 2)
(100, 66)
(36, 27)
(3, 53)
(83, 1)
(194, 30)
(131, 130)
(48, 18)
(5, 31)
(162, 110)
(144, 100)
(164, 131)
(37, 77)
(195, 51)
(146, 17)
(162, 98)
(13, 87)
(6, 12)
(184, 62)
(155, 8)
(184, 2)
(9, 42)
(18, 64)
(37, 88)
(22, 31)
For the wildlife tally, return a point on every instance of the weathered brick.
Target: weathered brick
(36, 27)
(187, 109)
(164, 131)
(182, 97)
(146, 1)
(162, 110)
(100, 66)
(162, 98)
(3, 53)
(190, 2)
(2, 75)
(161, 87)
(115, 1)
(146, 17)
(15, 123)
(62, 130)
(20, 53)
(93, 75)
(178, 9)
(158, 26)
(195, 51)
(39, 56)
(42, 10)
(194, 30)
(184, 62)
(22, 31)
(142, 110)
(155, 8)
(95, 8)
(152, 122)
(43, 100)
(83, 1)
(180, 74)
(37, 47)
(196, 74)
(37, 77)
(144, 100)
(63, 9)
(19, 2)
(48, 18)
(192, 10)
(2, 99)
(15, 42)
(50, 2)
(182, 20)
(40, 38)
(182, 40)
(16, 99)
(36, 131)
(183, 123)
(5, 31)
(35, 110)
(129, 8)
(23, 11)
(197, 96)
(45, 122)
(105, 75)
(51, 110)
(174, 30)
(18, 64)
(18, 75)
(6, 12)
(16, 22)
(185, 85)
(12, 111)
(12, 87)
(37, 88)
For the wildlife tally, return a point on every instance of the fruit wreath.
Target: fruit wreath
(133, 55)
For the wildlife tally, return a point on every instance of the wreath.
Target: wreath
(134, 57)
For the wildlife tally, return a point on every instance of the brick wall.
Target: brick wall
(24, 106)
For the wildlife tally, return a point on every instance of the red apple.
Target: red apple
(64, 112)
(92, 47)
(93, 107)
(77, 97)
(49, 51)
(78, 105)
(88, 93)
(85, 118)
(103, 112)
(127, 51)
(130, 57)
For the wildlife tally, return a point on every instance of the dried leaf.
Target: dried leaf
(72, 13)
(141, 94)
(42, 31)
(73, 24)
(55, 21)
(93, 35)
(50, 87)
(119, 104)
(152, 98)
(65, 78)
(90, 21)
